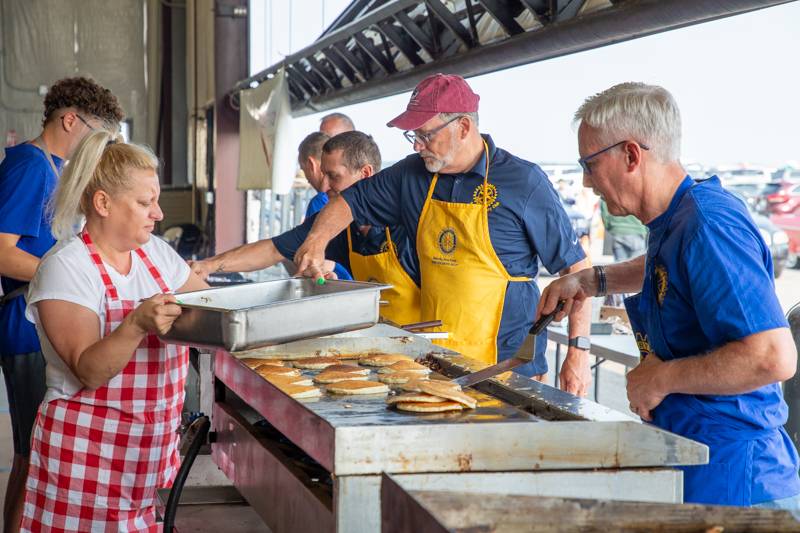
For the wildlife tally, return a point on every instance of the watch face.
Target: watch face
(582, 343)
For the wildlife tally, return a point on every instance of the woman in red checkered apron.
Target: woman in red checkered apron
(106, 436)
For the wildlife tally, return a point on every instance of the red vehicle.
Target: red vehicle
(791, 225)
(785, 200)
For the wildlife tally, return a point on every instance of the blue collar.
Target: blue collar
(664, 217)
(480, 166)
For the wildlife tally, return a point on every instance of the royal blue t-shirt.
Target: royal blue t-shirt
(317, 202)
(338, 249)
(26, 183)
(526, 222)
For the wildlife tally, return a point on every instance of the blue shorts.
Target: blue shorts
(25, 386)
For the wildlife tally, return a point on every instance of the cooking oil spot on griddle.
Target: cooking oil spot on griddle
(464, 462)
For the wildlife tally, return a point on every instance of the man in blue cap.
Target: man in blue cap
(713, 339)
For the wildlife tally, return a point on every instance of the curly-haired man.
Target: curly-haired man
(72, 108)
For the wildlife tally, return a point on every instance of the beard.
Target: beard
(435, 164)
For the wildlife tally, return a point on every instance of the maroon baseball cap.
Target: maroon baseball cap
(440, 93)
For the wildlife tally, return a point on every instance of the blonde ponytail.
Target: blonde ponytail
(96, 165)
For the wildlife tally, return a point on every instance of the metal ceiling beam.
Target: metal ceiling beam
(623, 21)
(503, 12)
(450, 21)
(415, 32)
(402, 42)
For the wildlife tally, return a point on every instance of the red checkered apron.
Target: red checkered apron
(98, 458)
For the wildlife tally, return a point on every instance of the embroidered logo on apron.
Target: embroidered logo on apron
(662, 281)
(447, 241)
(491, 196)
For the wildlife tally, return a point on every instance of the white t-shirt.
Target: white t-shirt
(67, 273)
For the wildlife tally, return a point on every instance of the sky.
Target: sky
(736, 80)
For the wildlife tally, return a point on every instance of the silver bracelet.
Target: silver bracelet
(600, 276)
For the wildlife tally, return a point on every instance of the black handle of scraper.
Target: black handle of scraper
(545, 320)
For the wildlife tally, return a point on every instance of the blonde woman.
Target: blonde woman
(105, 437)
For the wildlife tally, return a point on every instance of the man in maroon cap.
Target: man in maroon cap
(482, 218)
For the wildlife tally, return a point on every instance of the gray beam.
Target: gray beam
(385, 63)
(341, 63)
(500, 10)
(451, 22)
(622, 22)
(342, 34)
(405, 45)
(415, 32)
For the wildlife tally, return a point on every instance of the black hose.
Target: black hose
(200, 429)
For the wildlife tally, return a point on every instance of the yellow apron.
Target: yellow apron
(463, 281)
(385, 267)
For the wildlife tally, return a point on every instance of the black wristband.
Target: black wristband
(600, 275)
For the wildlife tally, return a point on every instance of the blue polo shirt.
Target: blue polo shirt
(26, 183)
(710, 279)
(338, 250)
(526, 222)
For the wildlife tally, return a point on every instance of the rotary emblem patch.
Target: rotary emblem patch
(491, 196)
(384, 246)
(662, 282)
(447, 241)
(643, 344)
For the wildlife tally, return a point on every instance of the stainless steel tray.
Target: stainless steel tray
(273, 312)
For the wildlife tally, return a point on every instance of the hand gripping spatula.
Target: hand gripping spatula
(504, 366)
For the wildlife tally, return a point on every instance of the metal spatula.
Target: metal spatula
(504, 366)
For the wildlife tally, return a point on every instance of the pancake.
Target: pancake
(266, 353)
(398, 378)
(424, 407)
(448, 392)
(254, 362)
(299, 391)
(271, 370)
(405, 366)
(383, 359)
(315, 363)
(357, 387)
(413, 384)
(326, 376)
(288, 380)
(350, 356)
(413, 397)
(350, 369)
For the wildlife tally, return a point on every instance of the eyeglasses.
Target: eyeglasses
(427, 137)
(82, 120)
(584, 161)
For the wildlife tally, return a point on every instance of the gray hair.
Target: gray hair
(447, 116)
(647, 114)
(347, 121)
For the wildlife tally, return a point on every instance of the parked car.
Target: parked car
(790, 224)
(787, 174)
(776, 238)
(785, 200)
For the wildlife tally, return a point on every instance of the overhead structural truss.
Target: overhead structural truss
(377, 48)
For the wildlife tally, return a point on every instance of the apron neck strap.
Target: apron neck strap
(111, 290)
(485, 179)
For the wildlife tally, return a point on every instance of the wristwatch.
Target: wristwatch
(581, 343)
